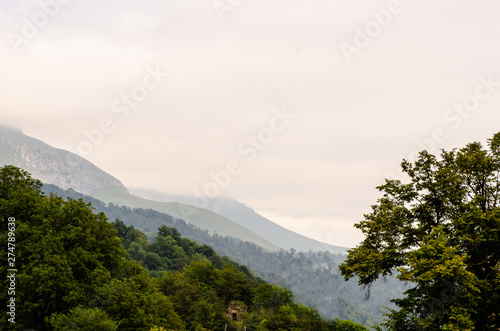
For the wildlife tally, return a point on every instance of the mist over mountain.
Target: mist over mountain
(226, 217)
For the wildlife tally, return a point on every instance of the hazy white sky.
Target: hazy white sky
(366, 82)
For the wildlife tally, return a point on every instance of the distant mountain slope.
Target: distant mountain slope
(67, 170)
(202, 218)
(52, 165)
(251, 220)
(271, 231)
(226, 217)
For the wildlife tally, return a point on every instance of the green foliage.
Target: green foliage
(348, 326)
(207, 316)
(169, 251)
(287, 317)
(201, 292)
(272, 297)
(441, 232)
(137, 305)
(233, 285)
(66, 251)
(70, 265)
(83, 319)
(158, 328)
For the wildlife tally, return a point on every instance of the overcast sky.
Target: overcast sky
(335, 93)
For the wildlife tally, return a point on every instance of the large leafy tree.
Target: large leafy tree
(71, 270)
(63, 252)
(440, 232)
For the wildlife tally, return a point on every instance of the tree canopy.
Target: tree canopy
(440, 231)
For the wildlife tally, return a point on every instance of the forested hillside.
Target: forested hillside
(312, 276)
(70, 269)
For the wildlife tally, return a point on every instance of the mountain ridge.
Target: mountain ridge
(67, 170)
(52, 165)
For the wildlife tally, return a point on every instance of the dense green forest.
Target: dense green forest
(71, 269)
(314, 277)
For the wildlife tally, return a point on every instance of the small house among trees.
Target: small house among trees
(236, 310)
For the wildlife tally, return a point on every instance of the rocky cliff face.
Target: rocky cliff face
(51, 165)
